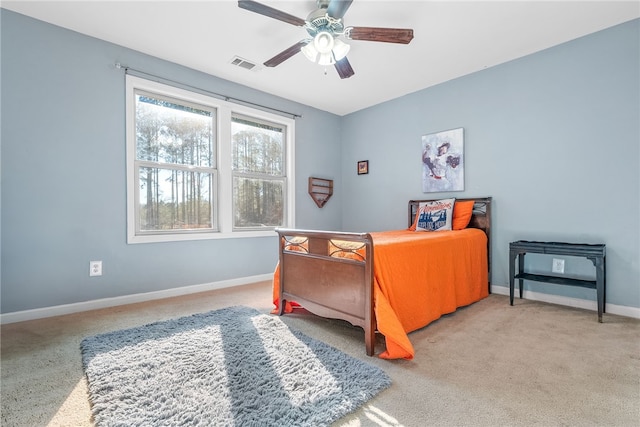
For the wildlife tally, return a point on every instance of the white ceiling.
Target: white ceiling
(451, 39)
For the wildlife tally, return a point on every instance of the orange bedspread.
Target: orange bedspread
(418, 277)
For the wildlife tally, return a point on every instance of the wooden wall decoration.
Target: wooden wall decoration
(320, 190)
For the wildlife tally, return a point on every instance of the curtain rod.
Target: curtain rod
(159, 79)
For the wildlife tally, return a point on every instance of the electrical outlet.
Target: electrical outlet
(557, 266)
(95, 268)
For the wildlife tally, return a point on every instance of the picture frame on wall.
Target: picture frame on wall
(443, 161)
(363, 167)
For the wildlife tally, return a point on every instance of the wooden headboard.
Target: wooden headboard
(481, 219)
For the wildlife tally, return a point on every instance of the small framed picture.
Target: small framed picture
(363, 167)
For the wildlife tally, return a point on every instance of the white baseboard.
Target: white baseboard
(40, 313)
(620, 310)
(58, 310)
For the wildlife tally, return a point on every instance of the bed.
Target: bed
(391, 282)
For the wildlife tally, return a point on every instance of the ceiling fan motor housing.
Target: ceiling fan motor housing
(318, 21)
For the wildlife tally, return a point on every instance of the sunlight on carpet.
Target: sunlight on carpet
(376, 415)
(71, 407)
(296, 394)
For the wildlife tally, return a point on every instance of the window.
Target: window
(202, 168)
(258, 173)
(174, 164)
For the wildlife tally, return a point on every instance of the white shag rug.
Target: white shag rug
(229, 367)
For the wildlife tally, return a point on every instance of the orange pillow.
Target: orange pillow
(462, 214)
(415, 221)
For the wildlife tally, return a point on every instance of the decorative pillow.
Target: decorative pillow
(462, 214)
(436, 215)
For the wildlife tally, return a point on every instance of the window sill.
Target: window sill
(165, 238)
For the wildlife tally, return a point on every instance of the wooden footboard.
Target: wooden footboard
(330, 274)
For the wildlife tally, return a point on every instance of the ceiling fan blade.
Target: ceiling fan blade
(374, 34)
(286, 54)
(269, 11)
(337, 8)
(343, 67)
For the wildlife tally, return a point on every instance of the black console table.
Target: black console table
(596, 253)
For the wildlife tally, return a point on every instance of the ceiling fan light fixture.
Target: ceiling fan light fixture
(325, 49)
(323, 42)
(340, 49)
(310, 52)
(326, 59)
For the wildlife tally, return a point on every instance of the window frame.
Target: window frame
(222, 185)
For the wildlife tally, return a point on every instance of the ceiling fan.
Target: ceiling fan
(325, 28)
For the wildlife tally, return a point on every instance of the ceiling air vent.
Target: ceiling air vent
(243, 63)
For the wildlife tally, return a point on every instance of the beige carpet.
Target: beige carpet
(485, 365)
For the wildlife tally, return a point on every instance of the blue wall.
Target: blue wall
(553, 137)
(63, 174)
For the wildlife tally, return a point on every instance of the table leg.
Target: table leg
(512, 273)
(520, 270)
(600, 285)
